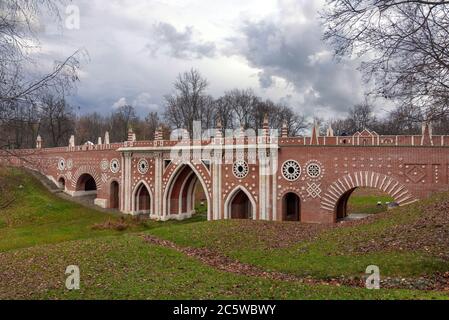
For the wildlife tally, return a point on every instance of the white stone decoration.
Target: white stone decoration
(291, 170)
(104, 164)
(143, 166)
(313, 170)
(115, 166)
(240, 169)
(70, 164)
(314, 190)
(61, 164)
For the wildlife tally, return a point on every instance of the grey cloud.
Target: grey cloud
(179, 44)
(265, 80)
(292, 49)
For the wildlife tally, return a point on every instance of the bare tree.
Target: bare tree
(244, 104)
(152, 122)
(361, 117)
(57, 121)
(224, 112)
(404, 45)
(296, 123)
(122, 120)
(17, 18)
(21, 93)
(189, 102)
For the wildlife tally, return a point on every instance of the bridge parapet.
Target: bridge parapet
(317, 172)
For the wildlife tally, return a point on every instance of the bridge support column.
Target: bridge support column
(158, 186)
(264, 188)
(126, 183)
(217, 199)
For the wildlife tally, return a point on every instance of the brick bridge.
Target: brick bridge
(268, 177)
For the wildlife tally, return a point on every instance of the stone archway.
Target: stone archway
(336, 198)
(179, 195)
(291, 207)
(87, 184)
(61, 183)
(114, 195)
(142, 199)
(83, 171)
(240, 204)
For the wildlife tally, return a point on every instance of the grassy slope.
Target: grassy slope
(35, 250)
(128, 268)
(332, 254)
(38, 217)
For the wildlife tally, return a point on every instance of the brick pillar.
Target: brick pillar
(426, 139)
(284, 132)
(39, 142)
(131, 135)
(315, 134)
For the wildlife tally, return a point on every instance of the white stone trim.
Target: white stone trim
(103, 203)
(133, 199)
(169, 187)
(231, 196)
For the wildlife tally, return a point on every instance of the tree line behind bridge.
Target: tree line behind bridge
(55, 119)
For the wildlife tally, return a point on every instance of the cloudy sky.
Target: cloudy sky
(137, 48)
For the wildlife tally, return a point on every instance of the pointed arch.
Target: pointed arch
(141, 186)
(166, 207)
(230, 198)
(335, 199)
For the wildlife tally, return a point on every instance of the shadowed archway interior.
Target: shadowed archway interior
(61, 183)
(142, 200)
(114, 200)
(291, 207)
(183, 191)
(86, 183)
(240, 206)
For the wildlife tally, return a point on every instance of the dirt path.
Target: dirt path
(220, 262)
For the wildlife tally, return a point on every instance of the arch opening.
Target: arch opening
(361, 202)
(240, 206)
(142, 200)
(61, 183)
(186, 194)
(87, 184)
(114, 200)
(291, 207)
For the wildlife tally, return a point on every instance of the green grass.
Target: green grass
(365, 201)
(331, 255)
(41, 234)
(128, 268)
(40, 217)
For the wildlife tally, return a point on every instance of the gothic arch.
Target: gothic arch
(343, 187)
(230, 198)
(138, 187)
(173, 178)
